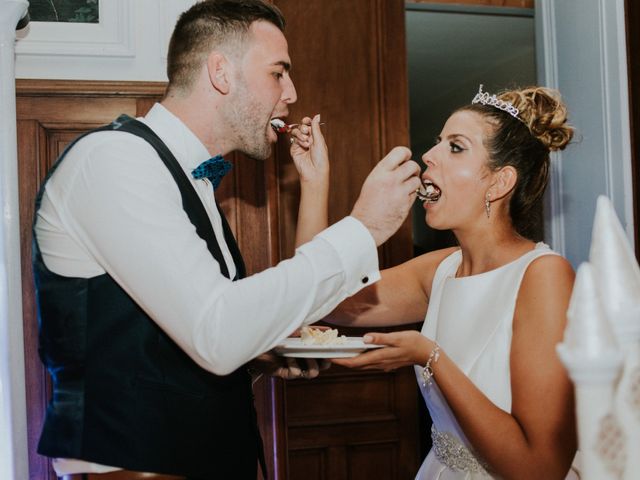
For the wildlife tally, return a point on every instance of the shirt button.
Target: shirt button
(365, 279)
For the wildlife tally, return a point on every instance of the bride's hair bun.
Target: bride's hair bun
(544, 112)
(525, 142)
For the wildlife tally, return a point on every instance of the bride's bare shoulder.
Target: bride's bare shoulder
(423, 267)
(434, 258)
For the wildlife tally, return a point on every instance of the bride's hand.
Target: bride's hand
(401, 349)
(309, 151)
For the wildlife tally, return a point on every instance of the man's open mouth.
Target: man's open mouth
(428, 192)
(279, 125)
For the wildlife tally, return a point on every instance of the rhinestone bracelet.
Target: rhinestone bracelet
(427, 371)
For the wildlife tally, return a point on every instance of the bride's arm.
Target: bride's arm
(537, 439)
(311, 159)
(400, 297)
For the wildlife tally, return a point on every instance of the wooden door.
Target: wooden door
(349, 65)
(50, 115)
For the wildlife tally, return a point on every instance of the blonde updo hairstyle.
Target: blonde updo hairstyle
(525, 143)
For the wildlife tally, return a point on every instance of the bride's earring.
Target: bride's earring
(487, 204)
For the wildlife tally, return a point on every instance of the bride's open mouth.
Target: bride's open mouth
(428, 192)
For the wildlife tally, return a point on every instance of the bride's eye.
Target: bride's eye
(455, 148)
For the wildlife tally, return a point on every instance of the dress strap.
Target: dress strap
(445, 269)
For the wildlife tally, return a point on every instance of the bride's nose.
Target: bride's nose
(428, 158)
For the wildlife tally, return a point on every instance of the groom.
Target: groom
(146, 321)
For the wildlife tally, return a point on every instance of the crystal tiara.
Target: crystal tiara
(485, 99)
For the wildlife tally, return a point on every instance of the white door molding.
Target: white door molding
(13, 417)
(582, 52)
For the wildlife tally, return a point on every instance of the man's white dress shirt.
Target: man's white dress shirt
(113, 207)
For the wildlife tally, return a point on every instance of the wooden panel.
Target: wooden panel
(371, 461)
(344, 433)
(360, 90)
(312, 461)
(85, 111)
(50, 115)
(39, 146)
(376, 460)
(348, 103)
(486, 3)
(357, 397)
(35, 380)
(349, 65)
(391, 45)
(249, 197)
(351, 415)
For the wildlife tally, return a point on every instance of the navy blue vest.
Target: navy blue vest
(124, 394)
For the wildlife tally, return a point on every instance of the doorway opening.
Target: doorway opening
(451, 50)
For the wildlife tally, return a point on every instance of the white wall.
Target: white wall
(129, 43)
(582, 51)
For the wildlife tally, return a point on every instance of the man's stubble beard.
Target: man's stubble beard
(246, 124)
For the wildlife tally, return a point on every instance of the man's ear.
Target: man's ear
(504, 181)
(219, 70)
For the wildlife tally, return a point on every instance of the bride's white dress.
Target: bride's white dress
(471, 318)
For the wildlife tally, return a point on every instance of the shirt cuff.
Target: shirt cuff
(357, 252)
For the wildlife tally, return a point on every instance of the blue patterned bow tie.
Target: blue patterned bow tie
(214, 169)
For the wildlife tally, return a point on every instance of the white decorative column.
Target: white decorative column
(591, 355)
(13, 423)
(618, 280)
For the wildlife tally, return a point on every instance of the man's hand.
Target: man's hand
(387, 194)
(287, 367)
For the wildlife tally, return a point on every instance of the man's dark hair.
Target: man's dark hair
(212, 24)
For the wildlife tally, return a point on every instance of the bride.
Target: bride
(499, 398)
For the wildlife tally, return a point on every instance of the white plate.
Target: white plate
(352, 346)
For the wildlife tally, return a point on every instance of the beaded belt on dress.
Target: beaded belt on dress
(454, 454)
